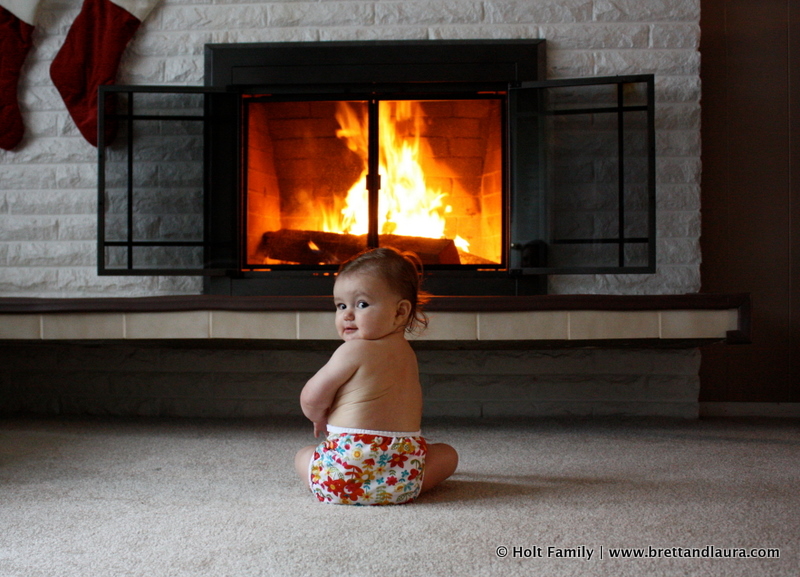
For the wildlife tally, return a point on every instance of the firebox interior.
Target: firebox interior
(307, 181)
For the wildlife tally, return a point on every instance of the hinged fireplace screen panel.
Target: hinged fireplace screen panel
(326, 179)
(583, 176)
(153, 175)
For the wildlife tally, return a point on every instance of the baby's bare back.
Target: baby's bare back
(384, 393)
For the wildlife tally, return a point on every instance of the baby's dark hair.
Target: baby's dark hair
(402, 270)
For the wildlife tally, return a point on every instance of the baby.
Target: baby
(367, 400)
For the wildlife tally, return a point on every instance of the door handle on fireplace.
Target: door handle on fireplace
(373, 181)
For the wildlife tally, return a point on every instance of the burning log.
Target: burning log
(429, 250)
(317, 247)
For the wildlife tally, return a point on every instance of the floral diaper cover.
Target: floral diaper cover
(363, 467)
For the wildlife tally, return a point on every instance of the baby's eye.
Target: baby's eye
(362, 304)
(341, 306)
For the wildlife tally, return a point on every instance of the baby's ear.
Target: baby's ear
(404, 309)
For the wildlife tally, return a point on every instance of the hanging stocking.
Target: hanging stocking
(90, 57)
(17, 19)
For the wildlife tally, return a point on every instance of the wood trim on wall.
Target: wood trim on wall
(750, 238)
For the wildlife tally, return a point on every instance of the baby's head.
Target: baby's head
(402, 271)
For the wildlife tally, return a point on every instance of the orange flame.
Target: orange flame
(408, 204)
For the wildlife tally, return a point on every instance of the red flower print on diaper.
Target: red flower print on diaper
(397, 460)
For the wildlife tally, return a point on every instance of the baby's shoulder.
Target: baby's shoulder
(370, 347)
(355, 349)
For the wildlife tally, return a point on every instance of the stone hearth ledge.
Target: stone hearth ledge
(548, 320)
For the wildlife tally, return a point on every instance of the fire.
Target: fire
(408, 204)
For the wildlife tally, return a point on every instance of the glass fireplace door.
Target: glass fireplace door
(583, 176)
(488, 187)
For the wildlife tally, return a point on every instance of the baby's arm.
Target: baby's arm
(320, 391)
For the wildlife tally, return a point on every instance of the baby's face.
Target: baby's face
(367, 308)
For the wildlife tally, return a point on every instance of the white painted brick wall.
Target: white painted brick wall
(48, 184)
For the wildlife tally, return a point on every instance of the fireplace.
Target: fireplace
(296, 156)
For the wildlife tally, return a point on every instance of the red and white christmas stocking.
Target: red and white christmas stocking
(17, 21)
(91, 54)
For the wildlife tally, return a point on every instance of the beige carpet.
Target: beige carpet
(107, 498)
